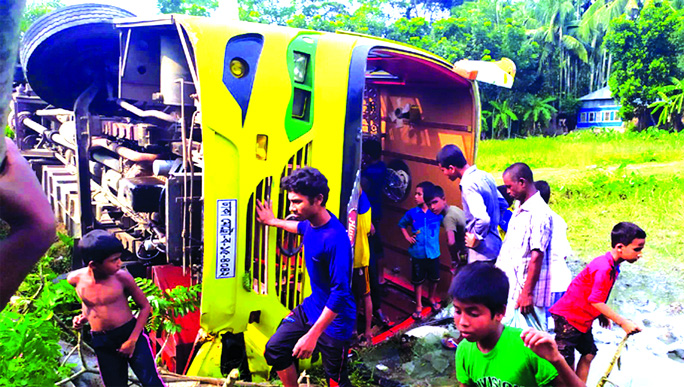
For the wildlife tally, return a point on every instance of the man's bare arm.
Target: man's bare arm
(32, 224)
(628, 325)
(145, 309)
(525, 301)
(409, 238)
(307, 343)
(453, 246)
(542, 344)
(265, 216)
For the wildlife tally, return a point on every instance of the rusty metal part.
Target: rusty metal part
(123, 151)
(146, 113)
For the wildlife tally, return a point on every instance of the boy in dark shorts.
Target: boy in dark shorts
(360, 279)
(494, 354)
(586, 297)
(424, 249)
(325, 320)
(119, 339)
(454, 224)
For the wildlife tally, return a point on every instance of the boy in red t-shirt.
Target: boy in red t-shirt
(587, 295)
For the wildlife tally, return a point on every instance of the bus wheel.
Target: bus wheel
(65, 51)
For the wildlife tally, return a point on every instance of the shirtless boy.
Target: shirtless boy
(118, 338)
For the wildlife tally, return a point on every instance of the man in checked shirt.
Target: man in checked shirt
(524, 255)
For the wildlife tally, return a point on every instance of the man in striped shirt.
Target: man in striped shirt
(525, 251)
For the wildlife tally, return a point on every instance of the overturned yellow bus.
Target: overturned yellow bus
(165, 131)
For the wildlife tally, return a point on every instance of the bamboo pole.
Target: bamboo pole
(173, 377)
(604, 378)
(10, 15)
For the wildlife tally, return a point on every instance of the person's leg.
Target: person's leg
(433, 280)
(359, 289)
(432, 287)
(334, 357)
(587, 349)
(566, 338)
(368, 304)
(288, 376)
(418, 276)
(419, 297)
(583, 366)
(113, 367)
(142, 363)
(278, 353)
(376, 289)
(377, 253)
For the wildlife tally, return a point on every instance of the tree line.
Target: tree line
(563, 49)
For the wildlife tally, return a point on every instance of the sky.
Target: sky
(143, 8)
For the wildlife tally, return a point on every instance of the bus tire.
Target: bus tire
(65, 51)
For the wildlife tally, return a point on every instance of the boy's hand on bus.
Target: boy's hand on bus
(630, 327)
(604, 322)
(127, 348)
(305, 346)
(542, 344)
(79, 321)
(471, 240)
(411, 239)
(264, 212)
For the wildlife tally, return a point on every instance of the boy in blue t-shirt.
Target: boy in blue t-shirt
(424, 249)
(494, 354)
(325, 319)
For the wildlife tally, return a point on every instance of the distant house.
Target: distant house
(599, 110)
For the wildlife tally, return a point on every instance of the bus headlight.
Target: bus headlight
(238, 67)
(301, 62)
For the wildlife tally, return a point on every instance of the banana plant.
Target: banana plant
(503, 117)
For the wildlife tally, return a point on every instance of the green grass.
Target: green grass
(582, 149)
(598, 180)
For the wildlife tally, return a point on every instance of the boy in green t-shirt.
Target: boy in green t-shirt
(492, 353)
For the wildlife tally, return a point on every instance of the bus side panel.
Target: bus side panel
(332, 78)
(446, 118)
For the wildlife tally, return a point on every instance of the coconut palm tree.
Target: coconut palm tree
(593, 27)
(555, 30)
(539, 111)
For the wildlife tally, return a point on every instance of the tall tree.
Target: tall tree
(35, 10)
(188, 7)
(644, 57)
(562, 49)
(593, 28)
(266, 11)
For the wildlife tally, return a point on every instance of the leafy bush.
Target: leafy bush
(168, 304)
(30, 326)
(30, 331)
(9, 132)
(29, 354)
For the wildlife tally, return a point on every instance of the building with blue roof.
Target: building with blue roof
(599, 110)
